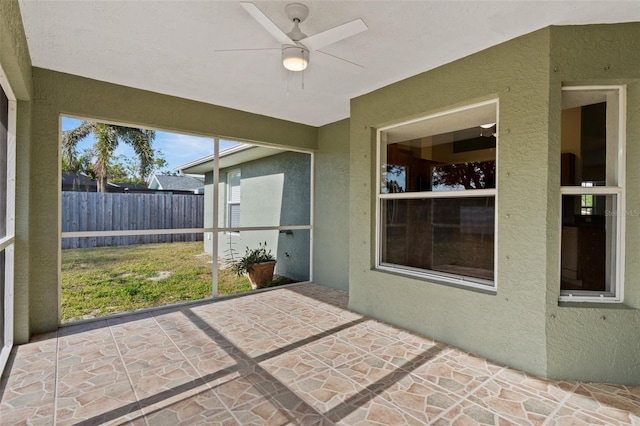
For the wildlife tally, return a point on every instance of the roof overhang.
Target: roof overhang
(231, 157)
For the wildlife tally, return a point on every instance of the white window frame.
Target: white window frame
(230, 201)
(443, 277)
(617, 293)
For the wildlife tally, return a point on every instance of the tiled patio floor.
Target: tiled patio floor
(289, 356)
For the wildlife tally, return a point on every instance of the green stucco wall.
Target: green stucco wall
(331, 209)
(58, 93)
(596, 342)
(275, 191)
(16, 64)
(521, 324)
(14, 52)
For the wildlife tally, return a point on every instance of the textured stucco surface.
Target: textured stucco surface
(275, 191)
(14, 52)
(508, 326)
(522, 324)
(16, 64)
(57, 93)
(331, 209)
(595, 341)
(21, 257)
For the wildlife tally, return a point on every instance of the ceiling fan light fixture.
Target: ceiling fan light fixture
(295, 58)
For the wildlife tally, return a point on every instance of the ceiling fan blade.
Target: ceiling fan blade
(335, 34)
(266, 23)
(351, 66)
(247, 50)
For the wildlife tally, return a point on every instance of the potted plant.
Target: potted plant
(258, 264)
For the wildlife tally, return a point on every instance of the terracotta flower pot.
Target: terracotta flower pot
(260, 274)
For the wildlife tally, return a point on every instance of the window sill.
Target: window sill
(441, 279)
(597, 305)
(584, 297)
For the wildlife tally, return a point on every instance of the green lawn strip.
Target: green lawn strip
(107, 280)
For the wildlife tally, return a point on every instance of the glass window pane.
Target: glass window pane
(589, 137)
(588, 242)
(456, 151)
(446, 235)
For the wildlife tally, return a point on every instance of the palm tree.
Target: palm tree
(107, 138)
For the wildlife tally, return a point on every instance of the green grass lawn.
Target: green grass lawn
(106, 280)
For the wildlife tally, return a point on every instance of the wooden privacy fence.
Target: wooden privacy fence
(98, 211)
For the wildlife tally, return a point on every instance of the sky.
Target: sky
(177, 149)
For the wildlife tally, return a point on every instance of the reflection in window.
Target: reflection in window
(449, 230)
(395, 179)
(591, 180)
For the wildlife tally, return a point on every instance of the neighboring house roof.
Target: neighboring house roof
(230, 157)
(176, 183)
(84, 183)
(131, 186)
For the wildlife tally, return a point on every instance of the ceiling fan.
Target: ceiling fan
(296, 46)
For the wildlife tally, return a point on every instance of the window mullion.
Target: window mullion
(440, 194)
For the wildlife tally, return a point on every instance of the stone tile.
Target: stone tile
(603, 404)
(371, 371)
(513, 403)
(87, 376)
(255, 341)
(293, 365)
(168, 379)
(18, 413)
(140, 323)
(455, 374)
(409, 357)
(368, 409)
(92, 384)
(574, 416)
(333, 351)
(469, 414)
(240, 391)
(473, 362)
(34, 357)
(142, 352)
(364, 337)
(556, 390)
(261, 412)
(325, 390)
(105, 404)
(292, 355)
(28, 385)
(418, 397)
(295, 409)
(203, 408)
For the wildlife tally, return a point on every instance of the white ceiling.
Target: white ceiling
(171, 47)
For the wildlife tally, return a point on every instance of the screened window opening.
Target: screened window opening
(437, 196)
(592, 159)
